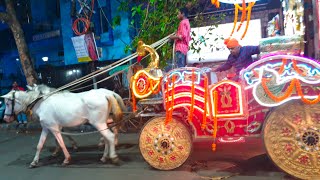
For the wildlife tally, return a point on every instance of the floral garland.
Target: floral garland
(235, 19)
(284, 62)
(243, 9)
(172, 96)
(169, 110)
(243, 14)
(215, 120)
(296, 68)
(216, 3)
(204, 116)
(294, 83)
(167, 100)
(276, 98)
(192, 97)
(134, 105)
(306, 101)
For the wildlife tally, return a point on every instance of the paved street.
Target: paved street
(236, 161)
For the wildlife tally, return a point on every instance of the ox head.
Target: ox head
(41, 88)
(32, 88)
(14, 105)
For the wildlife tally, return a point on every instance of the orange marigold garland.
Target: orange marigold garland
(249, 9)
(216, 3)
(284, 62)
(235, 19)
(172, 96)
(204, 116)
(167, 100)
(305, 100)
(243, 14)
(294, 83)
(134, 105)
(192, 97)
(248, 20)
(215, 120)
(276, 98)
(296, 68)
(170, 106)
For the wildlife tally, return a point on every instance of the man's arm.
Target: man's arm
(225, 66)
(253, 49)
(182, 32)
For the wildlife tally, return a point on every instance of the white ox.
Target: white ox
(65, 109)
(45, 90)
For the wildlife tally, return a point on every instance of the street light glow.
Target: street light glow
(45, 59)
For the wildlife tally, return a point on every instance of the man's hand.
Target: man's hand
(174, 37)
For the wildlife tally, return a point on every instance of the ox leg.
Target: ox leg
(63, 147)
(56, 150)
(42, 140)
(73, 143)
(109, 136)
(102, 142)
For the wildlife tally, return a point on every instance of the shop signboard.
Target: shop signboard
(85, 47)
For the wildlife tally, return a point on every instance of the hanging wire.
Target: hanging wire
(84, 20)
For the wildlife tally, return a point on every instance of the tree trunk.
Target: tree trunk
(11, 19)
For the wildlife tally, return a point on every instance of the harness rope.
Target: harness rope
(80, 81)
(105, 69)
(92, 132)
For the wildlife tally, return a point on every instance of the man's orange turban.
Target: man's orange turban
(231, 43)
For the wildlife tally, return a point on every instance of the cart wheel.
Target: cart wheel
(292, 139)
(165, 147)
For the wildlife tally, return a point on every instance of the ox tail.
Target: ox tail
(115, 108)
(120, 101)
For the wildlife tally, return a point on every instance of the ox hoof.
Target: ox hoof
(104, 159)
(66, 162)
(55, 154)
(116, 161)
(33, 165)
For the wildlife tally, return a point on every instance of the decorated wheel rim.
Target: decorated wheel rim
(292, 139)
(165, 147)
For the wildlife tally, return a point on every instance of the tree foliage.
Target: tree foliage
(152, 20)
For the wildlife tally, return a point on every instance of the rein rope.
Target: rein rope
(122, 61)
(105, 69)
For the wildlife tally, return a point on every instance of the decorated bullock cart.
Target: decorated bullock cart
(277, 98)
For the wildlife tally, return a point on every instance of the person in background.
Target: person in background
(21, 117)
(182, 38)
(240, 57)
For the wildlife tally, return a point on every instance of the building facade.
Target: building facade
(49, 29)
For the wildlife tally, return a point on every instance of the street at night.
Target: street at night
(177, 90)
(231, 161)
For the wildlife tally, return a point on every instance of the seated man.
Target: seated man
(240, 57)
